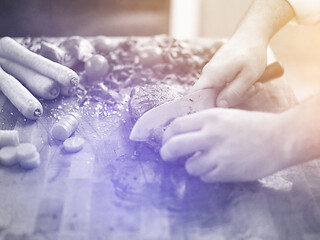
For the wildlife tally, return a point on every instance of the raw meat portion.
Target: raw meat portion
(149, 96)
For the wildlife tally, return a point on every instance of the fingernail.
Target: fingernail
(204, 179)
(223, 103)
(188, 169)
(163, 154)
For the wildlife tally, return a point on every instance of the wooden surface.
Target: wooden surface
(106, 192)
(115, 189)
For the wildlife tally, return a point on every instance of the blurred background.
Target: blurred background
(83, 17)
(296, 46)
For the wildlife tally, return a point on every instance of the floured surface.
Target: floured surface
(117, 189)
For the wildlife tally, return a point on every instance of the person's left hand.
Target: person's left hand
(228, 145)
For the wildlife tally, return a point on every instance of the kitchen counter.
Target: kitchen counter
(108, 191)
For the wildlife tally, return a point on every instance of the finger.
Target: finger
(182, 145)
(200, 164)
(188, 123)
(217, 175)
(216, 46)
(210, 177)
(252, 91)
(231, 95)
(216, 75)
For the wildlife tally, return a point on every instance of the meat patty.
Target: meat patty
(150, 96)
(147, 97)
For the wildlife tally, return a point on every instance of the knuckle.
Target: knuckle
(176, 125)
(233, 95)
(172, 147)
(212, 116)
(258, 86)
(206, 178)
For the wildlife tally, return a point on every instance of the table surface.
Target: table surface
(115, 189)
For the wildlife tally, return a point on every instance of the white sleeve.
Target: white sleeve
(307, 11)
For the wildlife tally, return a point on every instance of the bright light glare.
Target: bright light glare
(184, 18)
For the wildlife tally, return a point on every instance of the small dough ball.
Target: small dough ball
(9, 138)
(8, 156)
(73, 144)
(26, 151)
(30, 163)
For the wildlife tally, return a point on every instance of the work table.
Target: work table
(108, 191)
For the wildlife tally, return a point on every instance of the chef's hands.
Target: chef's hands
(229, 145)
(233, 70)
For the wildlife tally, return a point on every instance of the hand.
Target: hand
(229, 145)
(234, 69)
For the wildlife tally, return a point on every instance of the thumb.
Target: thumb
(202, 83)
(215, 76)
(233, 93)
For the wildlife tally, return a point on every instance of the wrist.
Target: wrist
(263, 20)
(301, 128)
(289, 153)
(250, 39)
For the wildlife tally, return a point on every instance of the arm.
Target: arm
(303, 130)
(233, 145)
(264, 19)
(242, 60)
(307, 12)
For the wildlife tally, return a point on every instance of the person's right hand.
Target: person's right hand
(231, 145)
(234, 69)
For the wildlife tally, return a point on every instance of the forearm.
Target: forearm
(263, 19)
(302, 130)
